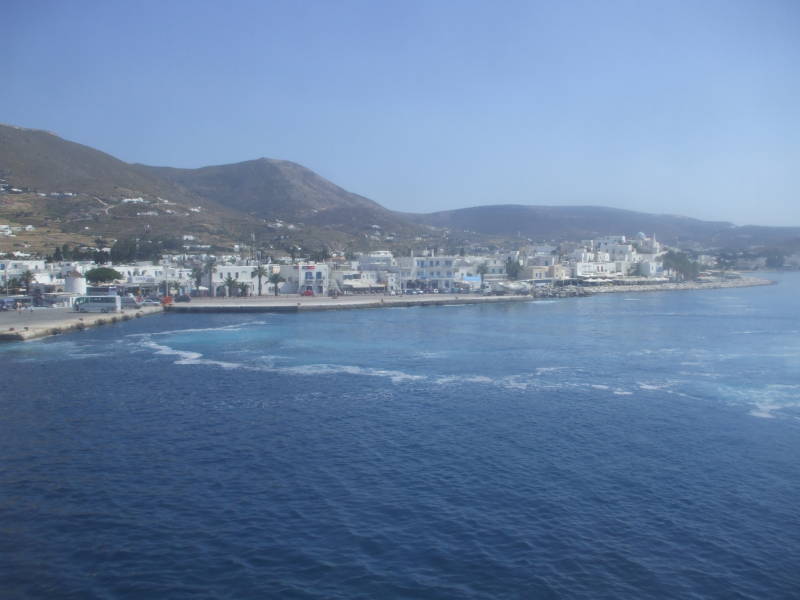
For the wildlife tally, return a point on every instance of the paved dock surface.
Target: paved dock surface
(41, 322)
(316, 303)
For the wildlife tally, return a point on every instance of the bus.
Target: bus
(103, 304)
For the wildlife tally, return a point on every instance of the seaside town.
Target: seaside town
(609, 263)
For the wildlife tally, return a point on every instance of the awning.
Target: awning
(361, 284)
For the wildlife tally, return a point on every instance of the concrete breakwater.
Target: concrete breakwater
(28, 325)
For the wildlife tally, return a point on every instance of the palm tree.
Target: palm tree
(243, 288)
(230, 283)
(482, 270)
(275, 279)
(210, 268)
(260, 271)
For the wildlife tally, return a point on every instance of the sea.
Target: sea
(617, 446)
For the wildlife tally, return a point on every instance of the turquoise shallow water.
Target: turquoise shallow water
(624, 446)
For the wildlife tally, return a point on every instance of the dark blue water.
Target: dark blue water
(626, 446)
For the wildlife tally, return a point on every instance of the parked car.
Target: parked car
(183, 298)
(308, 293)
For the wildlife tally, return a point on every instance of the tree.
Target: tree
(260, 271)
(321, 255)
(27, 279)
(210, 268)
(681, 265)
(275, 279)
(775, 260)
(197, 276)
(482, 270)
(230, 283)
(243, 288)
(12, 283)
(102, 275)
(513, 268)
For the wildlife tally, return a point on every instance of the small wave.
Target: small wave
(188, 357)
(329, 369)
(653, 386)
(648, 351)
(432, 354)
(233, 327)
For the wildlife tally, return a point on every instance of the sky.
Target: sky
(666, 106)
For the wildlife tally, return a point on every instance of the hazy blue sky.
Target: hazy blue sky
(664, 106)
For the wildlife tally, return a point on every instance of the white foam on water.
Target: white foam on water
(643, 385)
(432, 354)
(598, 386)
(779, 398)
(187, 357)
(331, 369)
(709, 374)
(764, 410)
(622, 393)
(657, 351)
(233, 327)
(514, 383)
(541, 370)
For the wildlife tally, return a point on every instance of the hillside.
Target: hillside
(72, 193)
(585, 222)
(67, 190)
(43, 162)
(279, 189)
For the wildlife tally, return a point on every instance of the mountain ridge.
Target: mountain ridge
(71, 187)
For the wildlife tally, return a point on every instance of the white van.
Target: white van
(104, 304)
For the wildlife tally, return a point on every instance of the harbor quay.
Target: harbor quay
(42, 322)
(34, 323)
(293, 304)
